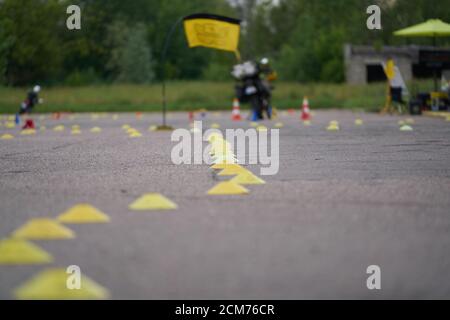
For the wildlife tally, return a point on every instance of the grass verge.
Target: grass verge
(193, 95)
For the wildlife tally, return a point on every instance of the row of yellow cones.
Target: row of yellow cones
(52, 283)
(134, 133)
(225, 161)
(74, 131)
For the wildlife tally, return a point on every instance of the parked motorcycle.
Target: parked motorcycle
(253, 88)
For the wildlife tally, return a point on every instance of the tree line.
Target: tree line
(121, 41)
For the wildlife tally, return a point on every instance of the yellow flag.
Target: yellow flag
(390, 69)
(212, 31)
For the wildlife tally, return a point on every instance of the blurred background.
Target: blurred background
(113, 62)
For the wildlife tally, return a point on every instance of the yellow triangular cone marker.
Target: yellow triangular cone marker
(406, 128)
(76, 132)
(232, 169)
(359, 122)
(307, 122)
(20, 251)
(58, 128)
(152, 201)
(96, 130)
(247, 178)
(215, 126)
(7, 137)
(221, 166)
(261, 128)
(83, 213)
(51, 284)
(153, 128)
(135, 135)
(27, 132)
(333, 127)
(227, 188)
(43, 229)
(279, 125)
(126, 127)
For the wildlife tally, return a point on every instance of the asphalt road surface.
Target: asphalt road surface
(342, 201)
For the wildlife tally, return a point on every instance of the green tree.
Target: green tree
(135, 61)
(34, 52)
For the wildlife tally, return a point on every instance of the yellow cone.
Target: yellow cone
(279, 125)
(261, 128)
(126, 127)
(96, 130)
(333, 127)
(58, 128)
(20, 251)
(10, 125)
(253, 124)
(152, 201)
(247, 178)
(43, 229)
(232, 169)
(28, 132)
(359, 122)
(153, 128)
(76, 127)
(135, 135)
(221, 165)
(307, 122)
(406, 128)
(83, 213)
(215, 126)
(228, 188)
(76, 131)
(51, 284)
(7, 136)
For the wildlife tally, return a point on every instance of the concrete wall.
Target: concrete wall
(358, 57)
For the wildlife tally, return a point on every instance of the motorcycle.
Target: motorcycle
(253, 89)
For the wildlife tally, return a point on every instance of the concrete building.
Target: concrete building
(363, 63)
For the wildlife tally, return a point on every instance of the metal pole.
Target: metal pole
(163, 62)
(434, 67)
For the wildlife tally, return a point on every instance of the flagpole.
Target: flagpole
(163, 62)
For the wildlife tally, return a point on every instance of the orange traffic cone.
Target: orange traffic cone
(56, 116)
(306, 114)
(236, 113)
